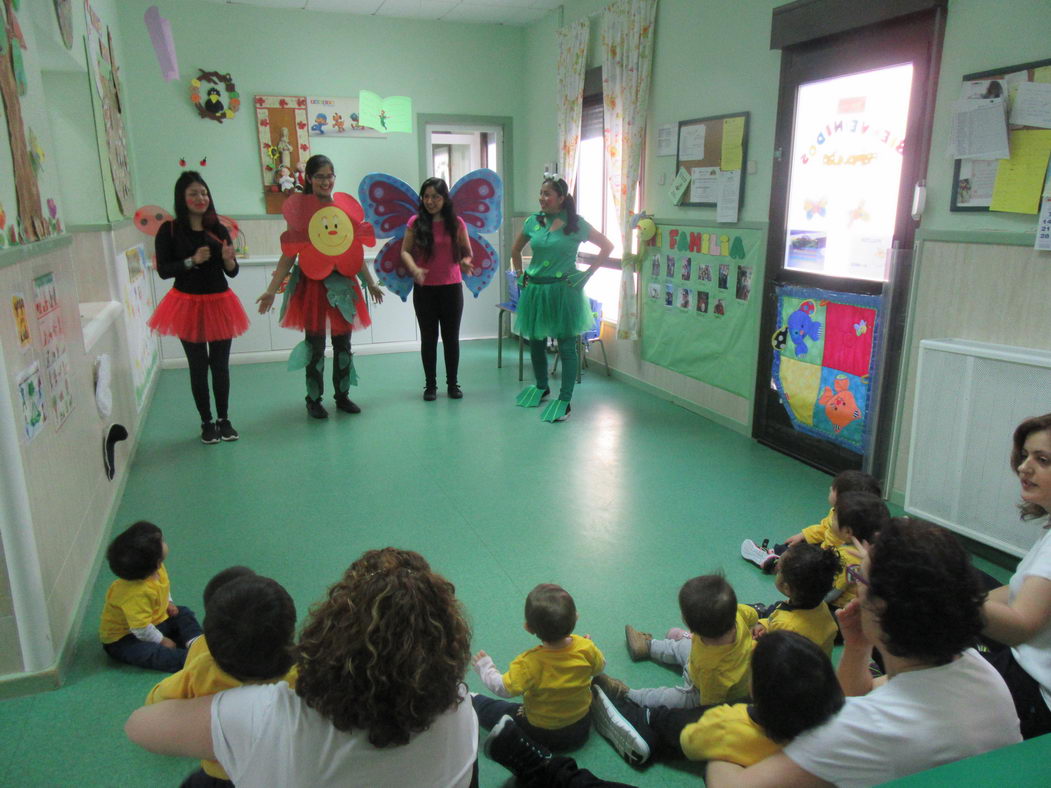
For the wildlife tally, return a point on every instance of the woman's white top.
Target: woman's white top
(1035, 654)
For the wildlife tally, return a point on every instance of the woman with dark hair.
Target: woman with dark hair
(552, 303)
(436, 250)
(379, 700)
(1018, 615)
(919, 604)
(200, 309)
(326, 233)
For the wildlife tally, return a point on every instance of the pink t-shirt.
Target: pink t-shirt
(442, 266)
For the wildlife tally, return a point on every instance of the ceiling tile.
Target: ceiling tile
(345, 6)
(494, 14)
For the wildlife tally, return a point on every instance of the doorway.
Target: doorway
(850, 148)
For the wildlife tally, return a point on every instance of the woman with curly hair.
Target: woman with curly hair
(1018, 615)
(919, 604)
(379, 699)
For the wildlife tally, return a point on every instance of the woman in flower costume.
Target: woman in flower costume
(326, 233)
(553, 303)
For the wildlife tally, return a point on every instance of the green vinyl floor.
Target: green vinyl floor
(620, 505)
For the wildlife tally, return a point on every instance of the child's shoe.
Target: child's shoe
(512, 749)
(613, 688)
(678, 633)
(761, 556)
(613, 725)
(638, 643)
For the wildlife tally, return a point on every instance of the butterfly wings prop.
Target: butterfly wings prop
(389, 203)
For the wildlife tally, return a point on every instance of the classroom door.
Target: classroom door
(453, 151)
(850, 148)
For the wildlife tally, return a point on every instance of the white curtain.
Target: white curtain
(572, 62)
(627, 57)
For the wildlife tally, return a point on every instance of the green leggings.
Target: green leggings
(567, 349)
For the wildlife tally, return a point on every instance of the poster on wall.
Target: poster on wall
(824, 362)
(31, 398)
(337, 118)
(133, 275)
(18, 307)
(698, 314)
(53, 343)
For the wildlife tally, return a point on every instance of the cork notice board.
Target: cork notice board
(715, 143)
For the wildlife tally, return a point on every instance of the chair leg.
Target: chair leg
(604, 359)
(500, 339)
(580, 359)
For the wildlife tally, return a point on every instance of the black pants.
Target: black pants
(439, 309)
(203, 356)
(201, 779)
(570, 737)
(563, 772)
(1033, 714)
(341, 362)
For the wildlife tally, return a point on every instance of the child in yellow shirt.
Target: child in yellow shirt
(860, 516)
(140, 624)
(249, 627)
(554, 678)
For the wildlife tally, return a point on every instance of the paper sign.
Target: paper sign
(1043, 227)
(704, 185)
(393, 113)
(732, 152)
(18, 306)
(666, 140)
(1032, 105)
(1020, 179)
(729, 196)
(977, 179)
(678, 186)
(31, 398)
(979, 129)
(691, 142)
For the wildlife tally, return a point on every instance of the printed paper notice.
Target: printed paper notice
(1043, 227)
(979, 129)
(704, 185)
(31, 397)
(691, 142)
(729, 196)
(1020, 179)
(1032, 105)
(733, 148)
(678, 186)
(977, 179)
(666, 140)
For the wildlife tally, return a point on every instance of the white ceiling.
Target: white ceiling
(503, 12)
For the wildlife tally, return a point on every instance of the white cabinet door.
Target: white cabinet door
(247, 285)
(392, 321)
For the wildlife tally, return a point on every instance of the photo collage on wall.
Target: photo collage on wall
(707, 283)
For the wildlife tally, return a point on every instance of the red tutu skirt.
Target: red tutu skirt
(208, 317)
(309, 310)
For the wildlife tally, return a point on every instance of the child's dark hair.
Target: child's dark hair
(569, 205)
(314, 163)
(809, 571)
(249, 624)
(856, 481)
(794, 687)
(136, 553)
(708, 605)
(222, 578)
(210, 219)
(550, 612)
(423, 229)
(863, 513)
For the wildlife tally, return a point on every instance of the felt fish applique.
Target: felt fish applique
(840, 406)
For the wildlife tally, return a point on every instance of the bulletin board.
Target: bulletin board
(973, 179)
(702, 144)
(700, 305)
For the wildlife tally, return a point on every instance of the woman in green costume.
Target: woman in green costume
(553, 303)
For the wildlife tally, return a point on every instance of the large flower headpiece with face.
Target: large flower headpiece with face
(327, 236)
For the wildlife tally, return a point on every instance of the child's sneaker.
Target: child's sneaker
(638, 643)
(678, 633)
(761, 556)
(609, 722)
(511, 748)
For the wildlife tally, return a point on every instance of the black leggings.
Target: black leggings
(203, 356)
(439, 308)
(341, 361)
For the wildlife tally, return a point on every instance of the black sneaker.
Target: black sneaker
(430, 393)
(316, 409)
(455, 392)
(346, 404)
(209, 432)
(226, 430)
(511, 748)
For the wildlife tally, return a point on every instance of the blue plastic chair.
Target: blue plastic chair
(508, 307)
(584, 341)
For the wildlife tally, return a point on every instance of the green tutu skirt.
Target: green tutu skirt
(552, 309)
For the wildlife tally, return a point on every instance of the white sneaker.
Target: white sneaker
(620, 733)
(759, 556)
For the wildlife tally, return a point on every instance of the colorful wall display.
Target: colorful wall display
(214, 95)
(824, 362)
(31, 399)
(699, 316)
(337, 118)
(134, 275)
(284, 145)
(53, 343)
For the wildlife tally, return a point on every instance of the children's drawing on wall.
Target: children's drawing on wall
(687, 268)
(684, 298)
(18, 307)
(744, 282)
(670, 270)
(702, 302)
(53, 343)
(669, 295)
(806, 250)
(655, 269)
(31, 398)
(704, 273)
(654, 290)
(138, 306)
(338, 118)
(724, 276)
(393, 113)
(720, 307)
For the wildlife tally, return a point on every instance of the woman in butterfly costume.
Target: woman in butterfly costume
(326, 233)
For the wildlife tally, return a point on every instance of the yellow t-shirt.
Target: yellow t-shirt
(815, 623)
(133, 604)
(727, 733)
(821, 534)
(848, 556)
(555, 684)
(199, 677)
(721, 673)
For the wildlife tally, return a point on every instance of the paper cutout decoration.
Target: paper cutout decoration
(390, 202)
(393, 113)
(824, 362)
(160, 31)
(206, 86)
(337, 118)
(327, 237)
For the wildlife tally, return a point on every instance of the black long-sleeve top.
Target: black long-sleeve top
(174, 244)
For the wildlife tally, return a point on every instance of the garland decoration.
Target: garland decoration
(212, 107)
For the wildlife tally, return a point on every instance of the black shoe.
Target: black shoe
(455, 392)
(511, 748)
(346, 404)
(209, 432)
(316, 409)
(226, 430)
(430, 393)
